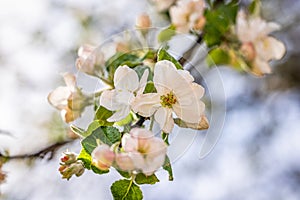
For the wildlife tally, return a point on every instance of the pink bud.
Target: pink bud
(103, 157)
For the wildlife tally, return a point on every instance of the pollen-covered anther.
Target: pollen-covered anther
(168, 100)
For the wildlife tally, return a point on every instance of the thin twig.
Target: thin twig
(50, 150)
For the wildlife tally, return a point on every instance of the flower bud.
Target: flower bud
(68, 158)
(143, 21)
(103, 157)
(89, 60)
(67, 171)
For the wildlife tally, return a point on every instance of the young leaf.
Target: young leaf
(93, 126)
(150, 88)
(119, 59)
(217, 56)
(254, 7)
(165, 137)
(126, 190)
(143, 179)
(218, 22)
(102, 114)
(167, 166)
(140, 71)
(86, 158)
(78, 131)
(166, 34)
(164, 55)
(125, 121)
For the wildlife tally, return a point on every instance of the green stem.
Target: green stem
(108, 82)
(131, 181)
(151, 123)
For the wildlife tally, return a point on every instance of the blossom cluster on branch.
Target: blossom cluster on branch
(147, 86)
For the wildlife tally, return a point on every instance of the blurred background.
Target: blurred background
(257, 156)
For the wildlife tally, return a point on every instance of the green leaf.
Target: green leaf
(108, 135)
(86, 158)
(143, 179)
(167, 166)
(126, 190)
(164, 55)
(166, 34)
(125, 121)
(217, 56)
(124, 174)
(218, 22)
(93, 126)
(102, 114)
(140, 71)
(165, 137)
(150, 88)
(255, 7)
(119, 59)
(78, 131)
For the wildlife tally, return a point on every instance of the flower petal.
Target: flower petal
(146, 104)
(108, 100)
(163, 117)
(270, 48)
(143, 82)
(59, 97)
(190, 112)
(126, 79)
(260, 67)
(70, 81)
(119, 114)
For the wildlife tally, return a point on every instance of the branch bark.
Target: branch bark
(49, 150)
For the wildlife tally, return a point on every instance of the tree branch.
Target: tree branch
(50, 150)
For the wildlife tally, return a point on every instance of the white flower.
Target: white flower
(257, 47)
(68, 99)
(127, 85)
(163, 5)
(146, 151)
(187, 15)
(103, 157)
(176, 92)
(90, 61)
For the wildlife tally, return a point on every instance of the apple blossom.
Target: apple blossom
(187, 15)
(103, 157)
(90, 61)
(146, 151)
(176, 93)
(257, 47)
(127, 85)
(69, 99)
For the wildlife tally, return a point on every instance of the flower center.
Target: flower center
(168, 100)
(248, 51)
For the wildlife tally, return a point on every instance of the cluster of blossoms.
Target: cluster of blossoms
(70, 166)
(140, 152)
(148, 86)
(257, 47)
